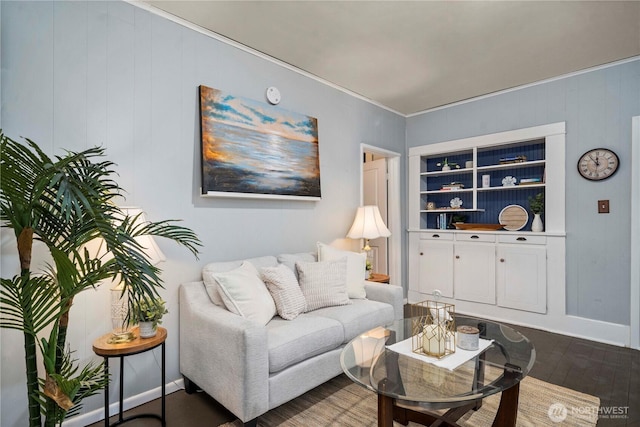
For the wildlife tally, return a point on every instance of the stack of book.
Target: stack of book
(513, 159)
(529, 181)
(452, 187)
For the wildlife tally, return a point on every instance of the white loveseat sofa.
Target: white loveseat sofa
(251, 368)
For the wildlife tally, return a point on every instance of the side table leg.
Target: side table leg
(121, 388)
(106, 392)
(164, 420)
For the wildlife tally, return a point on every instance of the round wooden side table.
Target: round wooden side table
(379, 277)
(102, 347)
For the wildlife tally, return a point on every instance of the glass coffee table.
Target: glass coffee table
(411, 389)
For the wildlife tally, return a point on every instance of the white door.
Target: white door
(374, 185)
(436, 268)
(522, 277)
(474, 272)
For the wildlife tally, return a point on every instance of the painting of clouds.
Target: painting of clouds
(252, 149)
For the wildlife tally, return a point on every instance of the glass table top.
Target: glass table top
(507, 360)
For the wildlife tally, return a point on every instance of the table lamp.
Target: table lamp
(119, 310)
(368, 224)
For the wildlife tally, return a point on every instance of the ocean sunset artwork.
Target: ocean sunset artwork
(252, 149)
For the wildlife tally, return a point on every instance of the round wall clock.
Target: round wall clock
(598, 164)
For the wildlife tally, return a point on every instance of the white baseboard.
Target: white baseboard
(556, 322)
(130, 402)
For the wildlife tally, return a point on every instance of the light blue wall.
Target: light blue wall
(597, 108)
(78, 74)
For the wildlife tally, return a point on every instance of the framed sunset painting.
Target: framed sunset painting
(253, 149)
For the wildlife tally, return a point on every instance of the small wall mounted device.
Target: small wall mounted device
(273, 95)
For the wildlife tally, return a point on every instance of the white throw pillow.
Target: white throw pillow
(323, 283)
(245, 294)
(356, 267)
(211, 286)
(285, 290)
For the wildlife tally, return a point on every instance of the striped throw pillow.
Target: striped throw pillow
(323, 283)
(285, 291)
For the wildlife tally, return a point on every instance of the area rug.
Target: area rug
(340, 402)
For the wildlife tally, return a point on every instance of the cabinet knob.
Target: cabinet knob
(457, 256)
(501, 259)
(421, 253)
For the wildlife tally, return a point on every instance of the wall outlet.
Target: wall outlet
(603, 206)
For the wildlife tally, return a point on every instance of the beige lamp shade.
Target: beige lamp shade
(98, 248)
(149, 245)
(368, 224)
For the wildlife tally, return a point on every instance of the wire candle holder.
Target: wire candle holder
(433, 329)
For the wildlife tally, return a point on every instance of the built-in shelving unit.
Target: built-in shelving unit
(482, 270)
(533, 158)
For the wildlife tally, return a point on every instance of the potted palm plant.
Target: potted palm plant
(148, 314)
(66, 202)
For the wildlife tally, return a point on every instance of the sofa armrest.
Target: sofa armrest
(223, 353)
(391, 294)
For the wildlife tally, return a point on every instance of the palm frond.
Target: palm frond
(29, 304)
(76, 386)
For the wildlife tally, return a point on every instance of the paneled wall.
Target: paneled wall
(79, 74)
(597, 107)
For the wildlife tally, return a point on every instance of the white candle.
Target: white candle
(433, 340)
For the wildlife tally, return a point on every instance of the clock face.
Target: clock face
(598, 164)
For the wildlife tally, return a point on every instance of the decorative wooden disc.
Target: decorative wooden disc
(513, 217)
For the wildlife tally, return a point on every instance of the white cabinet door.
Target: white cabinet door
(436, 267)
(474, 273)
(522, 277)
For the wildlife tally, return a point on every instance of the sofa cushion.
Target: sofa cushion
(284, 289)
(324, 283)
(360, 317)
(356, 267)
(210, 283)
(290, 260)
(245, 294)
(291, 342)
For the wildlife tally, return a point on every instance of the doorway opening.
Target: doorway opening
(634, 329)
(380, 178)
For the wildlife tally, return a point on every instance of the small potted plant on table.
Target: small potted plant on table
(148, 314)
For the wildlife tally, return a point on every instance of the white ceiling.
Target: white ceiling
(410, 56)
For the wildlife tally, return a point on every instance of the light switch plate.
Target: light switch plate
(603, 206)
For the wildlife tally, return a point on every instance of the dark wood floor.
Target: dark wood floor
(609, 372)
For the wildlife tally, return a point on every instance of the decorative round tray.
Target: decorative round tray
(513, 217)
(478, 226)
